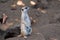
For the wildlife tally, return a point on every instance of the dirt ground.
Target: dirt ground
(46, 24)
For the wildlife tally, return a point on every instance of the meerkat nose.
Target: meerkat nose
(22, 9)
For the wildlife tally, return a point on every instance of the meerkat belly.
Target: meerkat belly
(25, 24)
(27, 21)
(23, 29)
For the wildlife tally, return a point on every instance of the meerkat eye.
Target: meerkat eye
(22, 9)
(26, 8)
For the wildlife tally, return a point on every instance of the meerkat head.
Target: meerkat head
(25, 9)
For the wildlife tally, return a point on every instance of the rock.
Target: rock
(51, 31)
(12, 32)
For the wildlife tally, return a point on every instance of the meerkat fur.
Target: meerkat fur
(25, 22)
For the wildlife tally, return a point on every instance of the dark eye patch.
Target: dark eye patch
(26, 8)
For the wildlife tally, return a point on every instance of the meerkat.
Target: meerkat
(25, 22)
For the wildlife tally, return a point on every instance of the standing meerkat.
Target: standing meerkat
(25, 22)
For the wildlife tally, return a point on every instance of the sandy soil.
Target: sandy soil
(47, 21)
